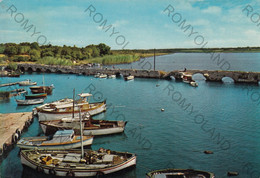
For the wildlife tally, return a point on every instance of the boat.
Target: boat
(180, 173)
(38, 95)
(112, 76)
(56, 110)
(97, 75)
(90, 126)
(27, 83)
(103, 76)
(42, 89)
(30, 101)
(62, 139)
(76, 163)
(130, 77)
(193, 83)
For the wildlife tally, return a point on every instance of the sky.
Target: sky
(132, 24)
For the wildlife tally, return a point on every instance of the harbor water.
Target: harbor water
(221, 117)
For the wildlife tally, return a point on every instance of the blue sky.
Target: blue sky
(137, 24)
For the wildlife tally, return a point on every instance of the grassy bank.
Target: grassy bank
(54, 61)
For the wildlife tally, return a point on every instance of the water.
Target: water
(201, 61)
(223, 118)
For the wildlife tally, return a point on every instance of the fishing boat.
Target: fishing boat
(62, 139)
(103, 76)
(34, 96)
(187, 78)
(130, 77)
(56, 111)
(180, 173)
(30, 101)
(27, 83)
(193, 83)
(42, 89)
(90, 126)
(76, 163)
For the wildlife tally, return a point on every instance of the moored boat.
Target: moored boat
(112, 76)
(103, 76)
(38, 95)
(77, 164)
(180, 173)
(193, 83)
(27, 83)
(56, 111)
(62, 139)
(30, 101)
(42, 89)
(90, 126)
(130, 77)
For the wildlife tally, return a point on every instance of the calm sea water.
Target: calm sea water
(201, 61)
(220, 117)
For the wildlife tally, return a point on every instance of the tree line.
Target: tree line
(33, 51)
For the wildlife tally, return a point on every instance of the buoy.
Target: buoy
(208, 152)
(15, 138)
(18, 131)
(162, 109)
(232, 173)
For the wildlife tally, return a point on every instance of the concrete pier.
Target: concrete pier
(11, 127)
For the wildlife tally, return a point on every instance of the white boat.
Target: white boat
(30, 101)
(62, 139)
(97, 75)
(103, 76)
(194, 84)
(59, 110)
(74, 163)
(180, 173)
(27, 83)
(90, 126)
(130, 77)
(112, 76)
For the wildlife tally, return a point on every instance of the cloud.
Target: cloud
(212, 10)
(120, 23)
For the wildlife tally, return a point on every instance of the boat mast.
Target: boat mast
(73, 103)
(81, 134)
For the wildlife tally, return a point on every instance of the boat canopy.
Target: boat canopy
(63, 133)
(83, 95)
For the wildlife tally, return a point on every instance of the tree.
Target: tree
(23, 49)
(104, 49)
(35, 45)
(35, 54)
(11, 50)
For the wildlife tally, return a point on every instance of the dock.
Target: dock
(8, 84)
(11, 127)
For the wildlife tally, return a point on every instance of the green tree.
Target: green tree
(23, 49)
(35, 45)
(104, 49)
(11, 50)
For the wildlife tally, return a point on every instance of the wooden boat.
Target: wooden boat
(130, 77)
(27, 83)
(42, 89)
(103, 76)
(56, 111)
(30, 101)
(74, 163)
(180, 173)
(33, 96)
(62, 139)
(90, 126)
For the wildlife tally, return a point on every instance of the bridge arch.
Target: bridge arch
(198, 76)
(22, 69)
(227, 80)
(38, 70)
(48, 71)
(30, 70)
(59, 72)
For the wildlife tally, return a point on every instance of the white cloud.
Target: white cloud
(120, 23)
(212, 10)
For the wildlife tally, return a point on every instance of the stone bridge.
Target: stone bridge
(215, 76)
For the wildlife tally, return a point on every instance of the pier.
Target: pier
(212, 76)
(11, 127)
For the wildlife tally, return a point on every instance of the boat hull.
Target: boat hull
(29, 102)
(77, 172)
(47, 116)
(86, 142)
(35, 96)
(48, 130)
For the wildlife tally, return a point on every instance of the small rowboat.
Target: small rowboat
(33, 96)
(181, 173)
(103, 76)
(74, 163)
(130, 77)
(62, 139)
(30, 101)
(27, 83)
